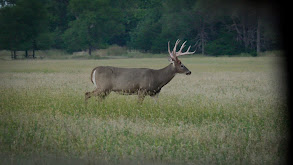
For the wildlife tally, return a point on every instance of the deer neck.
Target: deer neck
(165, 75)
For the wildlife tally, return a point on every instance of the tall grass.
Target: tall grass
(230, 110)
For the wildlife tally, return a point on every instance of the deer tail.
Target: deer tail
(93, 77)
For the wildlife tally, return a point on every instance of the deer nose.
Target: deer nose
(188, 73)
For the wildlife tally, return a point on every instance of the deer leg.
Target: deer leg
(141, 96)
(156, 98)
(101, 94)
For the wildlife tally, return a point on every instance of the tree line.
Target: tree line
(212, 27)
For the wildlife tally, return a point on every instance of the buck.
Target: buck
(138, 81)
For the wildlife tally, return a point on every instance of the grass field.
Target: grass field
(229, 110)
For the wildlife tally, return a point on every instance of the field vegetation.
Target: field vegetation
(229, 110)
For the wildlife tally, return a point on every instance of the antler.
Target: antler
(175, 54)
(170, 53)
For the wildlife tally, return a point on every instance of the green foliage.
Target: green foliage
(10, 35)
(148, 29)
(76, 37)
(145, 35)
(224, 44)
(21, 24)
(44, 41)
(96, 22)
(211, 27)
(59, 18)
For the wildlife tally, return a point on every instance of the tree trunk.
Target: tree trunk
(202, 39)
(11, 53)
(26, 54)
(90, 50)
(244, 29)
(258, 36)
(14, 54)
(34, 47)
(202, 36)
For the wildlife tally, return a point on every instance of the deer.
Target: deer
(137, 81)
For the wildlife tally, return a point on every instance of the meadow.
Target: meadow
(229, 110)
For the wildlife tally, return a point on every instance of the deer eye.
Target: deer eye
(182, 65)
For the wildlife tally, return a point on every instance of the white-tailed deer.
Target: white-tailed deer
(139, 81)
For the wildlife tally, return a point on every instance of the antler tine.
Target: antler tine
(175, 54)
(169, 47)
(170, 53)
(174, 49)
(185, 53)
(182, 46)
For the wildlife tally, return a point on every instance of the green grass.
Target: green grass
(229, 110)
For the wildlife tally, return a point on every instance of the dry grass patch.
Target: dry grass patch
(230, 110)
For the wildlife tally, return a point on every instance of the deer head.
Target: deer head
(180, 68)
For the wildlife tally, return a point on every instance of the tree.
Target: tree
(250, 22)
(147, 35)
(96, 21)
(59, 18)
(9, 37)
(5, 3)
(146, 25)
(21, 24)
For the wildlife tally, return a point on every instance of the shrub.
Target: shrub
(224, 45)
(116, 50)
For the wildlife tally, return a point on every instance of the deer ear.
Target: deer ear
(171, 60)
